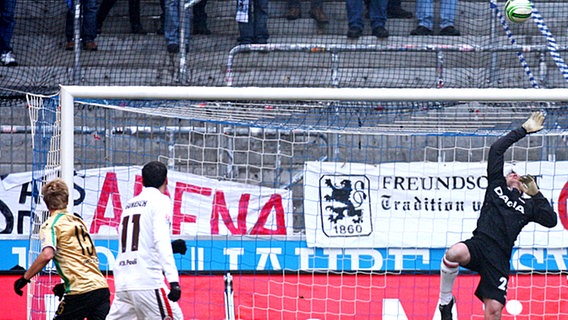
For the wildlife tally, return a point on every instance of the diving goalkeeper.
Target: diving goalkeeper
(510, 203)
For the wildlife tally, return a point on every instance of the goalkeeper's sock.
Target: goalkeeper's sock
(448, 273)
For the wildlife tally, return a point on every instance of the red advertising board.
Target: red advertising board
(329, 296)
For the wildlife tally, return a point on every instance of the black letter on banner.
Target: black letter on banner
(8, 216)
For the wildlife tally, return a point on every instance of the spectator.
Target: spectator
(394, 10)
(377, 15)
(65, 239)
(133, 12)
(293, 11)
(88, 25)
(7, 23)
(199, 22)
(253, 24)
(145, 258)
(425, 16)
(172, 25)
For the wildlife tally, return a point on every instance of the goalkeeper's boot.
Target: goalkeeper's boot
(446, 310)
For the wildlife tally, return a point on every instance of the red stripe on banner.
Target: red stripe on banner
(345, 297)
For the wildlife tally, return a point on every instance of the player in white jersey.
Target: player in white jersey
(145, 254)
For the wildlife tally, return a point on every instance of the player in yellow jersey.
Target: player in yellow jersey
(64, 238)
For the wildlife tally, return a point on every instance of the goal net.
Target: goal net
(312, 203)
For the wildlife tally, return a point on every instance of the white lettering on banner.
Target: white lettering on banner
(304, 255)
(393, 310)
(376, 259)
(107, 253)
(233, 254)
(200, 258)
(558, 255)
(21, 253)
(400, 254)
(332, 257)
(265, 255)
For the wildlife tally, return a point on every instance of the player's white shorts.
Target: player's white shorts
(144, 305)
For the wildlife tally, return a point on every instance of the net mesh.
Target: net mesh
(491, 52)
(220, 151)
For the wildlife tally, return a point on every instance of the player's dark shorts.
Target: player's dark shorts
(93, 305)
(493, 268)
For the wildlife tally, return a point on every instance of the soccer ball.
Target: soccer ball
(518, 11)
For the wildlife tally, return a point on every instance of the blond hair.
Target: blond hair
(55, 194)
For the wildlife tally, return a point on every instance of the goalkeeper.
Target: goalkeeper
(504, 213)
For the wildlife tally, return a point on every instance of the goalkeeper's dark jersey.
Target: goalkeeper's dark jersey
(505, 212)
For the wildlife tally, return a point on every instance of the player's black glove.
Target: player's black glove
(175, 291)
(59, 290)
(19, 284)
(178, 246)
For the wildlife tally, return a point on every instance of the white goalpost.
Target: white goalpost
(311, 203)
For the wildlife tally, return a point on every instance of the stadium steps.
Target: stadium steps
(127, 59)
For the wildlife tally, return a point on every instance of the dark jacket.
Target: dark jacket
(505, 212)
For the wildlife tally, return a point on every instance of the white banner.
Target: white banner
(416, 205)
(202, 206)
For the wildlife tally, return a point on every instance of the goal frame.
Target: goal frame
(68, 94)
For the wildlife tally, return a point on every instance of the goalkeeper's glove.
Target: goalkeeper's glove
(59, 290)
(178, 246)
(175, 291)
(528, 185)
(19, 284)
(534, 122)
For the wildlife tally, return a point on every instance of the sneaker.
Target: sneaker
(381, 32)
(399, 13)
(90, 46)
(446, 310)
(8, 59)
(318, 15)
(450, 31)
(173, 48)
(293, 13)
(354, 33)
(421, 31)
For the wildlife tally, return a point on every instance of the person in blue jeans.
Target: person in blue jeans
(172, 25)
(88, 24)
(377, 15)
(7, 23)
(425, 16)
(255, 31)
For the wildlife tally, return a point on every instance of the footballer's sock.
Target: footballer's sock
(448, 273)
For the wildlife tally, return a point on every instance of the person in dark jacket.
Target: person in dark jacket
(510, 203)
